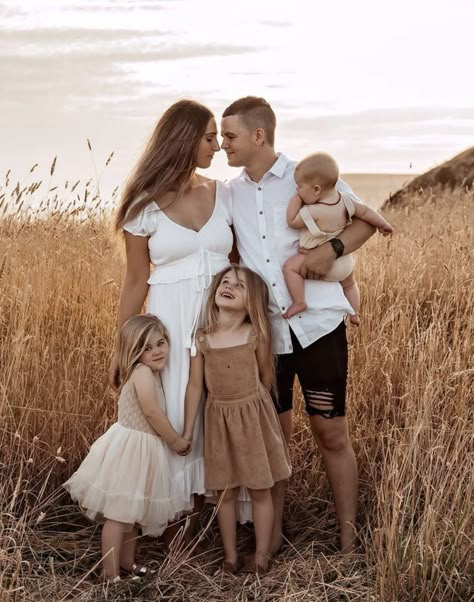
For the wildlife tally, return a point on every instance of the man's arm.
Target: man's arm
(319, 261)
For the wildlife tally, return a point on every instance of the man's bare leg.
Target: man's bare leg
(278, 490)
(332, 438)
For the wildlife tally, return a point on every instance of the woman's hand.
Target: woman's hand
(114, 376)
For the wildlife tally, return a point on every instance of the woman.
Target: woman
(179, 222)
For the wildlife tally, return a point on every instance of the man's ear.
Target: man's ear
(259, 136)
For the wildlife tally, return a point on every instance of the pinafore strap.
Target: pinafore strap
(309, 221)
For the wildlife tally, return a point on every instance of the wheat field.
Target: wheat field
(410, 411)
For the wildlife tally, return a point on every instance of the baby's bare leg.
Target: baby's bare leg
(351, 291)
(295, 284)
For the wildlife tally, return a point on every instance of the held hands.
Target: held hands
(181, 446)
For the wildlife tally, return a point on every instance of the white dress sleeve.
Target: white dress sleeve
(145, 223)
(224, 198)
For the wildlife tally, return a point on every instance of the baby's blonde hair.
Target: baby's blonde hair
(133, 339)
(319, 168)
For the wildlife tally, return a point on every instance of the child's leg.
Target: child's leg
(112, 537)
(127, 553)
(262, 511)
(227, 517)
(351, 291)
(295, 284)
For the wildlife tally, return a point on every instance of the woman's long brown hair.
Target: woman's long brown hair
(168, 161)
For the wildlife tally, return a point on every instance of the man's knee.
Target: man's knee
(330, 434)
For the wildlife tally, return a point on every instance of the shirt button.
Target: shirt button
(259, 188)
(263, 236)
(273, 283)
(261, 212)
(283, 308)
(268, 261)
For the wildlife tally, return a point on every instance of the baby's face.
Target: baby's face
(307, 191)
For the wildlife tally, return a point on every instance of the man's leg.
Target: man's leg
(332, 438)
(322, 372)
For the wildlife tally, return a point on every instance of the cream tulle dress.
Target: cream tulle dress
(125, 476)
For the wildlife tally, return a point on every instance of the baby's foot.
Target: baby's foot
(295, 308)
(354, 320)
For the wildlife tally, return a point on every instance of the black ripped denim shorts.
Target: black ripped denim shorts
(321, 369)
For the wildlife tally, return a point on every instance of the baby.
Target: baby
(322, 213)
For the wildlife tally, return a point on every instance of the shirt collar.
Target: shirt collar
(277, 169)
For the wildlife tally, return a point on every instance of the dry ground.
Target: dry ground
(410, 410)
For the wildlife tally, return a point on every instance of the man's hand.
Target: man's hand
(114, 377)
(318, 262)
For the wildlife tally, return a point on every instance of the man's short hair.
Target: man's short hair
(255, 112)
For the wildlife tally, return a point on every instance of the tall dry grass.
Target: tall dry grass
(411, 416)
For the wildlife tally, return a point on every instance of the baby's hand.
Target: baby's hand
(386, 229)
(181, 446)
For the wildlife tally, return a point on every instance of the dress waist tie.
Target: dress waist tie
(202, 281)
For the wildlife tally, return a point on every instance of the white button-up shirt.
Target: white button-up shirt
(265, 242)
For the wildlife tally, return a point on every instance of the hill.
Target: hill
(458, 171)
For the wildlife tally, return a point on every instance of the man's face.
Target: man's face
(237, 141)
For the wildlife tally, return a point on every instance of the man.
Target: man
(311, 344)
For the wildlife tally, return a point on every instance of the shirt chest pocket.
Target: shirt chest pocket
(285, 239)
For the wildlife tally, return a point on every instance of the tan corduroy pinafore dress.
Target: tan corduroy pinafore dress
(243, 441)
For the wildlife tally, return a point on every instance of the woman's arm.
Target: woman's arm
(193, 394)
(293, 218)
(265, 364)
(135, 287)
(145, 386)
(134, 290)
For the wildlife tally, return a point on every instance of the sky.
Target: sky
(386, 87)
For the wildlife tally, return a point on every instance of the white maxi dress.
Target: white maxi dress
(184, 263)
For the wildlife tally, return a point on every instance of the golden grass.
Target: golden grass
(411, 415)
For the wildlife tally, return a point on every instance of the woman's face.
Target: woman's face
(208, 145)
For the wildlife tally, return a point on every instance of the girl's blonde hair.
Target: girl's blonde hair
(168, 161)
(256, 302)
(134, 337)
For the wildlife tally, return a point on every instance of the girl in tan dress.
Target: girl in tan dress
(243, 441)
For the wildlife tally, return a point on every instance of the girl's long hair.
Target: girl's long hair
(168, 161)
(256, 304)
(134, 337)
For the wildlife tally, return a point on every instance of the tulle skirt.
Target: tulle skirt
(125, 477)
